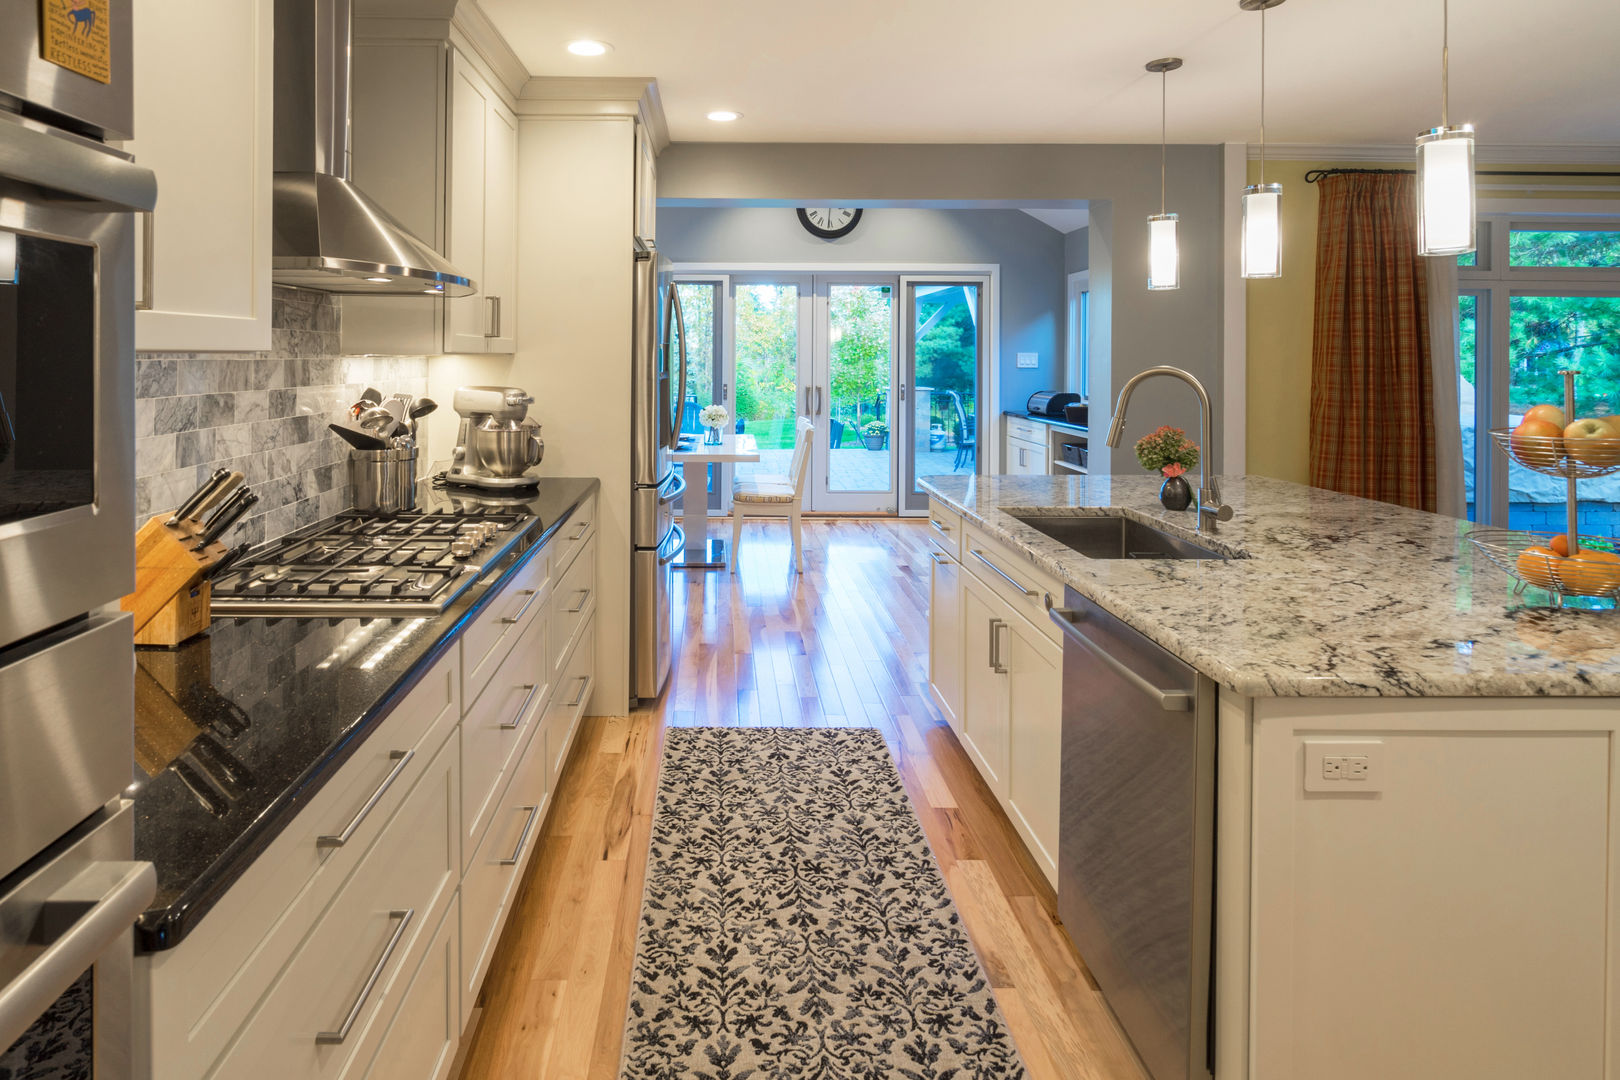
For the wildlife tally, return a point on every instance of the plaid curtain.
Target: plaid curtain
(1372, 384)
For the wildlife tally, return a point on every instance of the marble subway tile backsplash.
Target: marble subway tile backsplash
(263, 414)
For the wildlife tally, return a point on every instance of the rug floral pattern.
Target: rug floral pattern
(795, 925)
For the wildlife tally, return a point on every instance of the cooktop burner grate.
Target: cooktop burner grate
(370, 564)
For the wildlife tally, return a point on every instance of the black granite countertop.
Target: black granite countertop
(1021, 414)
(270, 708)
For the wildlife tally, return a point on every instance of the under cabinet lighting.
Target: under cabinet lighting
(589, 47)
(380, 280)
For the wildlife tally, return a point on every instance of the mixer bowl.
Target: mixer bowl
(507, 448)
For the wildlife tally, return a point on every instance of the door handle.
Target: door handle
(995, 646)
(493, 317)
(808, 410)
(107, 897)
(820, 401)
(674, 305)
(331, 1038)
(584, 527)
(1169, 700)
(403, 757)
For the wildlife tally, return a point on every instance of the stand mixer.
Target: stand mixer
(497, 443)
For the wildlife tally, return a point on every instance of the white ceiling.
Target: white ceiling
(1354, 72)
(1064, 221)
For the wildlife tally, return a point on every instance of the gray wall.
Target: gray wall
(1132, 329)
(1029, 253)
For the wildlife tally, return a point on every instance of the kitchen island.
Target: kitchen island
(1461, 886)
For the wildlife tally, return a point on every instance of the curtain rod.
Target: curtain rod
(1313, 175)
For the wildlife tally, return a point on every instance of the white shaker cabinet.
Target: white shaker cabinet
(483, 202)
(945, 636)
(203, 85)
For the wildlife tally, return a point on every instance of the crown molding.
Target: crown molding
(1484, 153)
(491, 47)
(562, 96)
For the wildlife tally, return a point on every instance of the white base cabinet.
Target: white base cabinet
(997, 675)
(278, 980)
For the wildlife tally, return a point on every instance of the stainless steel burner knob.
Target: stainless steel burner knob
(490, 530)
(462, 547)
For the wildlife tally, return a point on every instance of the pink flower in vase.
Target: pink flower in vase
(1172, 471)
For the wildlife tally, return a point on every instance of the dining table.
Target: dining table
(694, 458)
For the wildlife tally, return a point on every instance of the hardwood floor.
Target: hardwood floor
(846, 644)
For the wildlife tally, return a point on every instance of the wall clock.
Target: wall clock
(829, 222)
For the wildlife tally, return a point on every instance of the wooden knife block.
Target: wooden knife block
(171, 600)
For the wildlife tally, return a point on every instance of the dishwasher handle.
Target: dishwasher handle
(1169, 700)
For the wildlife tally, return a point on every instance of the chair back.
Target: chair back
(804, 433)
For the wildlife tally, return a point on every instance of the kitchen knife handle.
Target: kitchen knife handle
(223, 491)
(225, 517)
(195, 501)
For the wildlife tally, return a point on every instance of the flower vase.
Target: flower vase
(711, 436)
(1175, 493)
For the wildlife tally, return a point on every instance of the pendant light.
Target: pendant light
(1164, 246)
(1262, 202)
(1445, 170)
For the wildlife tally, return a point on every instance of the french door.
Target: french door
(852, 384)
(946, 348)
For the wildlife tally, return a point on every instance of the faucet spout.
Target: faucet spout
(1210, 508)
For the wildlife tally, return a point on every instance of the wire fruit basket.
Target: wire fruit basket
(1565, 564)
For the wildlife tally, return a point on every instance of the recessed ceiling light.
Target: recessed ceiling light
(380, 280)
(588, 47)
(724, 116)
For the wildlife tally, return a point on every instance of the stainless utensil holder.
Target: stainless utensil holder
(383, 481)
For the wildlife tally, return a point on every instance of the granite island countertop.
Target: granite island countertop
(1338, 596)
(272, 707)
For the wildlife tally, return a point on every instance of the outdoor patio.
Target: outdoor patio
(855, 468)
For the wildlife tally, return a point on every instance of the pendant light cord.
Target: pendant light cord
(1445, 63)
(1262, 96)
(1164, 90)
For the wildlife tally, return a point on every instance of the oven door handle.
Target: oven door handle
(107, 898)
(49, 161)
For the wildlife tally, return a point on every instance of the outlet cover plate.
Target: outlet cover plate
(1029, 359)
(1344, 766)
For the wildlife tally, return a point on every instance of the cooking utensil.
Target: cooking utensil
(226, 516)
(360, 440)
(422, 407)
(379, 421)
(371, 394)
(212, 489)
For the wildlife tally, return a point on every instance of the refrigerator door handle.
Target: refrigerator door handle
(674, 487)
(673, 306)
(672, 546)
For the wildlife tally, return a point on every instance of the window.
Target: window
(1541, 296)
(1078, 349)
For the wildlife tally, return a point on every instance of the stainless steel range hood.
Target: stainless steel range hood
(327, 234)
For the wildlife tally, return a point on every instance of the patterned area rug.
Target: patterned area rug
(795, 925)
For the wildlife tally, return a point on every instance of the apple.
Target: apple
(1550, 413)
(1537, 442)
(1593, 442)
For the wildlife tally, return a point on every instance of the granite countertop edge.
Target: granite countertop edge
(1385, 675)
(163, 927)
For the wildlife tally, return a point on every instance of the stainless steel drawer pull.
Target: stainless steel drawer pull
(494, 317)
(939, 556)
(946, 529)
(148, 261)
(1169, 700)
(584, 689)
(584, 598)
(403, 757)
(517, 717)
(523, 837)
(335, 1037)
(1014, 582)
(995, 646)
(531, 594)
(584, 527)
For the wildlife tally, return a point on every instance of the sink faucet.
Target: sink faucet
(1210, 508)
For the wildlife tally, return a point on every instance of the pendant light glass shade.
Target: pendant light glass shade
(1445, 190)
(1262, 231)
(1164, 251)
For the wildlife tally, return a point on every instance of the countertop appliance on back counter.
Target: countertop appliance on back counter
(498, 443)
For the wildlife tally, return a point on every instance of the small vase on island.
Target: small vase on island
(1175, 493)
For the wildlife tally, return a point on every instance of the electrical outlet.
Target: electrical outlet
(1029, 359)
(1347, 766)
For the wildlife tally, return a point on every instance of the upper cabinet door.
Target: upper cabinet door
(499, 286)
(203, 86)
(469, 321)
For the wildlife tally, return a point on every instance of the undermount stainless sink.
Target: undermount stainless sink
(1111, 537)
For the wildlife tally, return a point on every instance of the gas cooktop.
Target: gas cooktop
(385, 565)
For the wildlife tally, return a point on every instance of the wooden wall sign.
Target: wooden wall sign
(75, 35)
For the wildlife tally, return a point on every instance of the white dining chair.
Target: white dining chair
(776, 496)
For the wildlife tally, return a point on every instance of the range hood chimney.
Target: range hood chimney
(327, 234)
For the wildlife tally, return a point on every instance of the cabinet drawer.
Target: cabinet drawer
(495, 730)
(1029, 430)
(329, 1008)
(1012, 576)
(572, 537)
(571, 603)
(490, 637)
(568, 704)
(421, 1042)
(497, 866)
(199, 993)
(945, 528)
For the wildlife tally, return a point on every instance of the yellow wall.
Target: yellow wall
(1280, 310)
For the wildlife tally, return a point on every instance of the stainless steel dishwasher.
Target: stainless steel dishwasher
(1136, 833)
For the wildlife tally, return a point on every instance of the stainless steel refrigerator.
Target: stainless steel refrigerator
(657, 376)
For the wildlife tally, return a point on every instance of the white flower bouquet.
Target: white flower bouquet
(714, 416)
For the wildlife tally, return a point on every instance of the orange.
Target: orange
(1591, 573)
(1560, 545)
(1535, 565)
